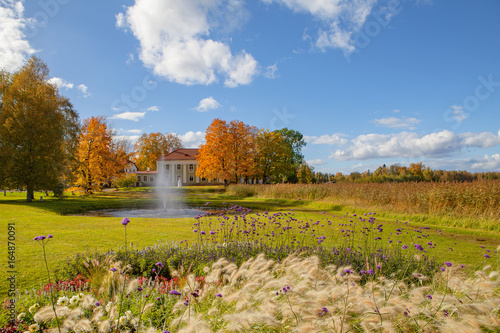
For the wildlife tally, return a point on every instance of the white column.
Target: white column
(184, 171)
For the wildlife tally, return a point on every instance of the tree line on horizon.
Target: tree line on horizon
(415, 172)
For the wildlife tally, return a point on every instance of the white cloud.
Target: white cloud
(341, 19)
(206, 104)
(334, 139)
(488, 163)
(84, 89)
(173, 37)
(271, 71)
(60, 83)
(131, 138)
(409, 144)
(134, 131)
(14, 48)
(192, 139)
(481, 140)
(317, 161)
(153, 108)
(458, 113)
(393, 122)
(134, 116)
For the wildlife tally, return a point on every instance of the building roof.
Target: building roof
(181, 154)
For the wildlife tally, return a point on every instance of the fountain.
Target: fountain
(169, 202)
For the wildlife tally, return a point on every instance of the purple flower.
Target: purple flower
(370, 271)
(203, 233)
(212, 232)
(363, 272)
(50, 236)
(428, 296)
(166, 331)
(405, 247)
(139, 289)
(442, 269)
(347, 271)
(174, 292)
(186, 303)
(158, 298)
(125, 221)
(486, 256)
(159, 264)
(218, 295)
(325, 310)
(447, 263)
(406, 313)
(113, 269)
(97, 303)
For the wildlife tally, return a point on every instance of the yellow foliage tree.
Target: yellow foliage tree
(38, 130)
(152, 146)
(272, 156)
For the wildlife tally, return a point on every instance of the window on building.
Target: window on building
(191, 167)
(178, 166)
(150, 178)
(167, 167)
(203, 179)
(139, 178)
(214, 180)
(191, 178)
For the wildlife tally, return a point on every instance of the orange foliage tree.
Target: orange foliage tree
(241, 149)
(99, 158)
(152, 146)
(213, 157)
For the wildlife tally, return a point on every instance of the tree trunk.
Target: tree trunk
(29, 194)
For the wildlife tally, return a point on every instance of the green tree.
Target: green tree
(271, 161)
(38, 130)
(295, 142)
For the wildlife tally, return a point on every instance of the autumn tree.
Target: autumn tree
(271, 158)
(38, 130)
(153, 146)
(213, 157)
(305, 174)
(241, 149)
(99, 158)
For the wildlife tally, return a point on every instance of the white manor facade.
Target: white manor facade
(177, 168)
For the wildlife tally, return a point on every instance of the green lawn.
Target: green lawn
(86, 234)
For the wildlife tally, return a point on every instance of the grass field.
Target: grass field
(88, 234)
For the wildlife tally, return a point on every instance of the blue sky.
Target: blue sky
(366, 82)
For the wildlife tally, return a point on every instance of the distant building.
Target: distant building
(179, 165)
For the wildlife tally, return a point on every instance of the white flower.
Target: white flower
(128, 314)
(34, 328)
(37, 318)
(74, 300)
(123, 320)
(62, 301)
(108, 306)
(21, 316)
(33, 308)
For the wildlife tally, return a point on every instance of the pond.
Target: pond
(149, 213)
